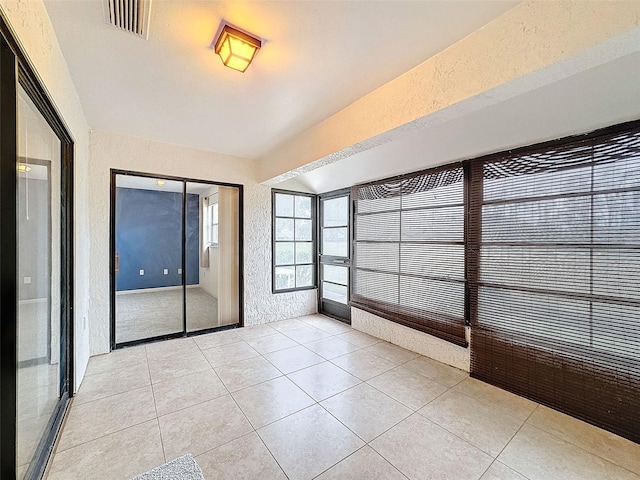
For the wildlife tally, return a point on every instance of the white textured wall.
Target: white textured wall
(532, 45)
(32, 27)
(112, 150)
(427, 345)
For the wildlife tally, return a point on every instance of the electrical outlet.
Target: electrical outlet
(166, 271)
(141, 272)
(27, 280)
(179, 271)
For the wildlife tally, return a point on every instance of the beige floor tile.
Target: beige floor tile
(393, 353)
(424, 451)
(245, 458)
(178, 365)
(271, 343)
(329, 325)
(364, 365)
(323, 380)
(538, 455)
(359, 339)
(116, 360)
(255, 331)
(513, 405)
(331, 347)
(113, 382)
(202, 427)
(366, 411)
(612, 447)
(216, 339)
(108, 415)
(408, 387)
(292, 359)
(441, 373)
(363, 464)
(286, 325)
(230, 353)
(186, 391)
(487, 427)
(272, 400)
(498, 471)
(307, 333)
(308, 442)
(118, 456)
(246, 373)
(170, 349)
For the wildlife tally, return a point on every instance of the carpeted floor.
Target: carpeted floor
(159, 312)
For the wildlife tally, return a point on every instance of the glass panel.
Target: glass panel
(303, 207)
(335, 212)
(336, 274)
(304, 252)
(284, 205)
(335, 242)
(285, 278)
(334, 292)
(284, 228)
(212, 274)
(303, 230)
(285, 253)
(39, 273)
(149, 251)
(304, 275)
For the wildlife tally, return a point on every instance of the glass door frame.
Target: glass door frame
(15, 68)
(112, 258)
(327, 306)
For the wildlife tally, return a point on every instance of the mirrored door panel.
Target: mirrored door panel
(41, 377)
(212, 256)
(335, 254)
(148, 258)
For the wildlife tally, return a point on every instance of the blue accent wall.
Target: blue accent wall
(149, 238)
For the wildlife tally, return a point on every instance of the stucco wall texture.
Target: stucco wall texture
(115, 151)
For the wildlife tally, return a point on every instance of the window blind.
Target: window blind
(554, 261)
(409, 251)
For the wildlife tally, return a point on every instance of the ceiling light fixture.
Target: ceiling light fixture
(236, 48)
(160, 183)
(23, 168)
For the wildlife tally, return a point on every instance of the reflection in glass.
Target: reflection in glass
(39, 273)
(148, 241)
(303, 207)
(335, 242)
(284, 205)
(212, 268)
(335, 212)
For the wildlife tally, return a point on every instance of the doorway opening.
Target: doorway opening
(176, 257)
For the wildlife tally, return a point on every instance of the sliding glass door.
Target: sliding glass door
(176, 257)
(36, 267)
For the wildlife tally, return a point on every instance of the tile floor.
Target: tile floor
(312, 398)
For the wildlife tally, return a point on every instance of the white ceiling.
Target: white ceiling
(596, 98)
(317, 58)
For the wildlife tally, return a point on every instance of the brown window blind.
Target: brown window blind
(409, 251)
(554, 261)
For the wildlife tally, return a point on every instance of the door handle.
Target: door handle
(117, 265)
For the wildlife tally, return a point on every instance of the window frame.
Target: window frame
(313, 241)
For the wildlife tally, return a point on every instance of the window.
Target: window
(409, 253)
(555, 301)
(211, 222)
(294, 250)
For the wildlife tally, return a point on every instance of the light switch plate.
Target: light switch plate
(166, 271)
(27, 280)
(141, 272)
(179, 271)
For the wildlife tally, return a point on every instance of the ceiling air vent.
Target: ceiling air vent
(130, 15)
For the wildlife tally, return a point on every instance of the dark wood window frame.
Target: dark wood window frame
(314, 248)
